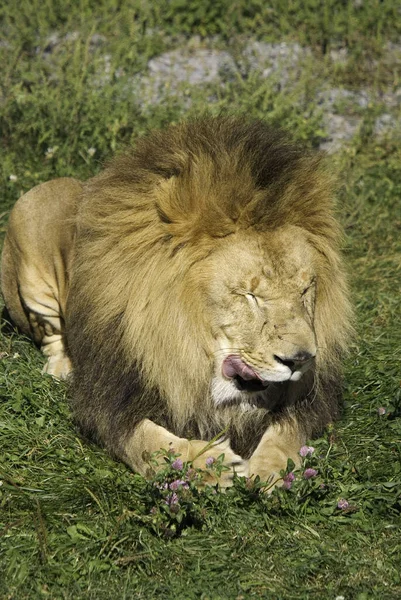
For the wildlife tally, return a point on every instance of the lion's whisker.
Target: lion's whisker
(225, 350)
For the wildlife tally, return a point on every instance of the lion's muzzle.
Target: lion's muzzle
(244, 376)
(247, 378)
(299, 361)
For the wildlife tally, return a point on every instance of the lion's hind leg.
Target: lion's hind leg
(33, 307)
(36, 262)
(47, 329)
(58, 364)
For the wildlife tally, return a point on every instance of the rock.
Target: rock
(332, 97)
(339, 56)
(169, 71)
(260, 52)
(281, 59)
(341, 118)
(340, 130)
(196, 67)
(386, 125)
(391, 98)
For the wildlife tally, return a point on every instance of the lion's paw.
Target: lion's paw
(201, 459)
(268, 469)
(58, 366)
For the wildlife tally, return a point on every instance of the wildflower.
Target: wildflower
(172, 499)
(91, 151)
(177, 464)
(153, 510)
(342, 504)
(287, 480)
(306, 451)
(13, 178)
(174, 485)
(191, 475)
(309, 473)
(210, 461)
(381, 411)
(249, 483)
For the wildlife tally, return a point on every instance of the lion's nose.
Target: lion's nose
(296, 361)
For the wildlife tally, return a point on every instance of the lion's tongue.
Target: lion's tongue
(233, 365)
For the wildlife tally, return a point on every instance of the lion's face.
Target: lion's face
(261, 301)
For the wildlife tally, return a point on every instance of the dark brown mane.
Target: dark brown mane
(227, 174)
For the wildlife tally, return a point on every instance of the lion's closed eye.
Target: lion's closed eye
(310, 287)
(253, 300)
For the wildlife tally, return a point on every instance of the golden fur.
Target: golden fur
(211, 247)
(35, 266)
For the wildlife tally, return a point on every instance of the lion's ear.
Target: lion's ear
(164, 218)
(166, 172)
(167, 202)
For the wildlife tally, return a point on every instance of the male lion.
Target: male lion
(195, 286)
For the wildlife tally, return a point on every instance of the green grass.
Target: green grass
(74, 523)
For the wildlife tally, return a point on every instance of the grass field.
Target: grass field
(75, 524)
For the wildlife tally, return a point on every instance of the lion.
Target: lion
(194, 288)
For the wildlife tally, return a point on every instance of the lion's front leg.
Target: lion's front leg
(279, 443)
(149, 437)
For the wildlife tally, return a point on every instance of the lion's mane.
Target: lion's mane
(135, 330)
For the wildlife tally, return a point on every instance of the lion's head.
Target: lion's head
(207, 275)
(261, 290)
